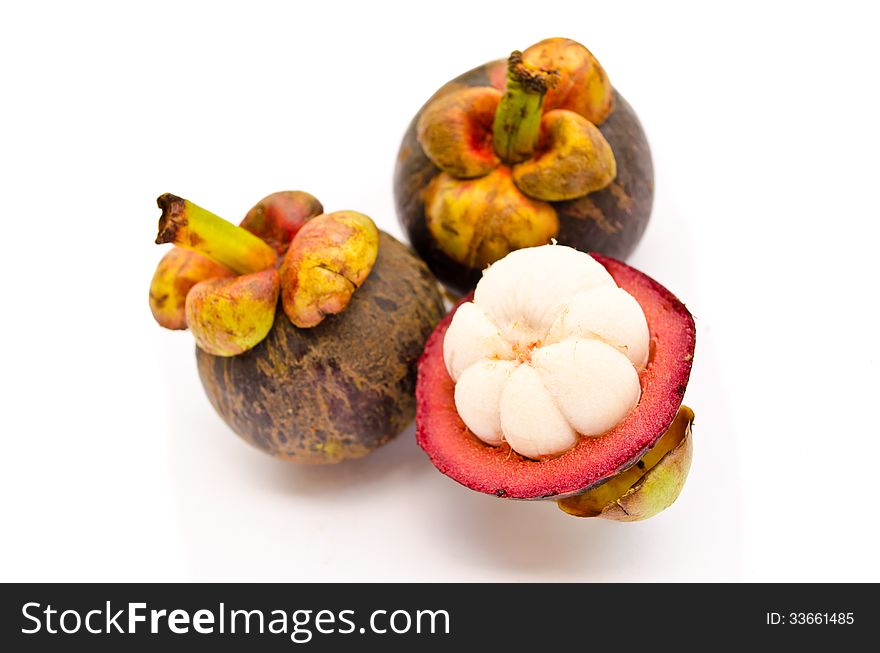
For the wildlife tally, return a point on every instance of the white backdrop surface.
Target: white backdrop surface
(763, 120)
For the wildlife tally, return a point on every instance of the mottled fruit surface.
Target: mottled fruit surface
(343, 388)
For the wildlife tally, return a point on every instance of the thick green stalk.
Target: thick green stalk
(518, 117)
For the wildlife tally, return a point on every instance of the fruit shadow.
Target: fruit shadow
(698, 538)
(536, 540)
(203, 446)
(200, 443)
(231, 499)
(395, 462)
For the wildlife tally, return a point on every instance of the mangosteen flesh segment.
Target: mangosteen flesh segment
(549, 349)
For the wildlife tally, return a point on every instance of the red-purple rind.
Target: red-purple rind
(456, 452)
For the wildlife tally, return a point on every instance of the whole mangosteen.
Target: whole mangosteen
(328, 372)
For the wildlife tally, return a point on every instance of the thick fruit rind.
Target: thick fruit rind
(610, 221)
(343, 388)
(653, 491)
(497, 470)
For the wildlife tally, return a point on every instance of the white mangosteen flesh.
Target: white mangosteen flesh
(549, 349)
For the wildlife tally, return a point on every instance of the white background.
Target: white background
(763, 119)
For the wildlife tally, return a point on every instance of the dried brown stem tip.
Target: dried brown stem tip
(533, 78)
(583, 84)
(173, 217)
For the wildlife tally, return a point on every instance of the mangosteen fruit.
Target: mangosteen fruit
(562, 377)
(520, 152)
(308, 325)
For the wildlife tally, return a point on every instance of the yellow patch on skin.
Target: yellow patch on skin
(230, 316)
(328, 259)
(584, 87)
(478, 221)
(624, 201)
(455, 131)
(177, 272)
(574, 160)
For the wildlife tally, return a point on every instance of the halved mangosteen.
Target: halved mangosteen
(562, 378)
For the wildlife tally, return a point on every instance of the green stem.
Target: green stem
(518, 117)
(190, 226)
